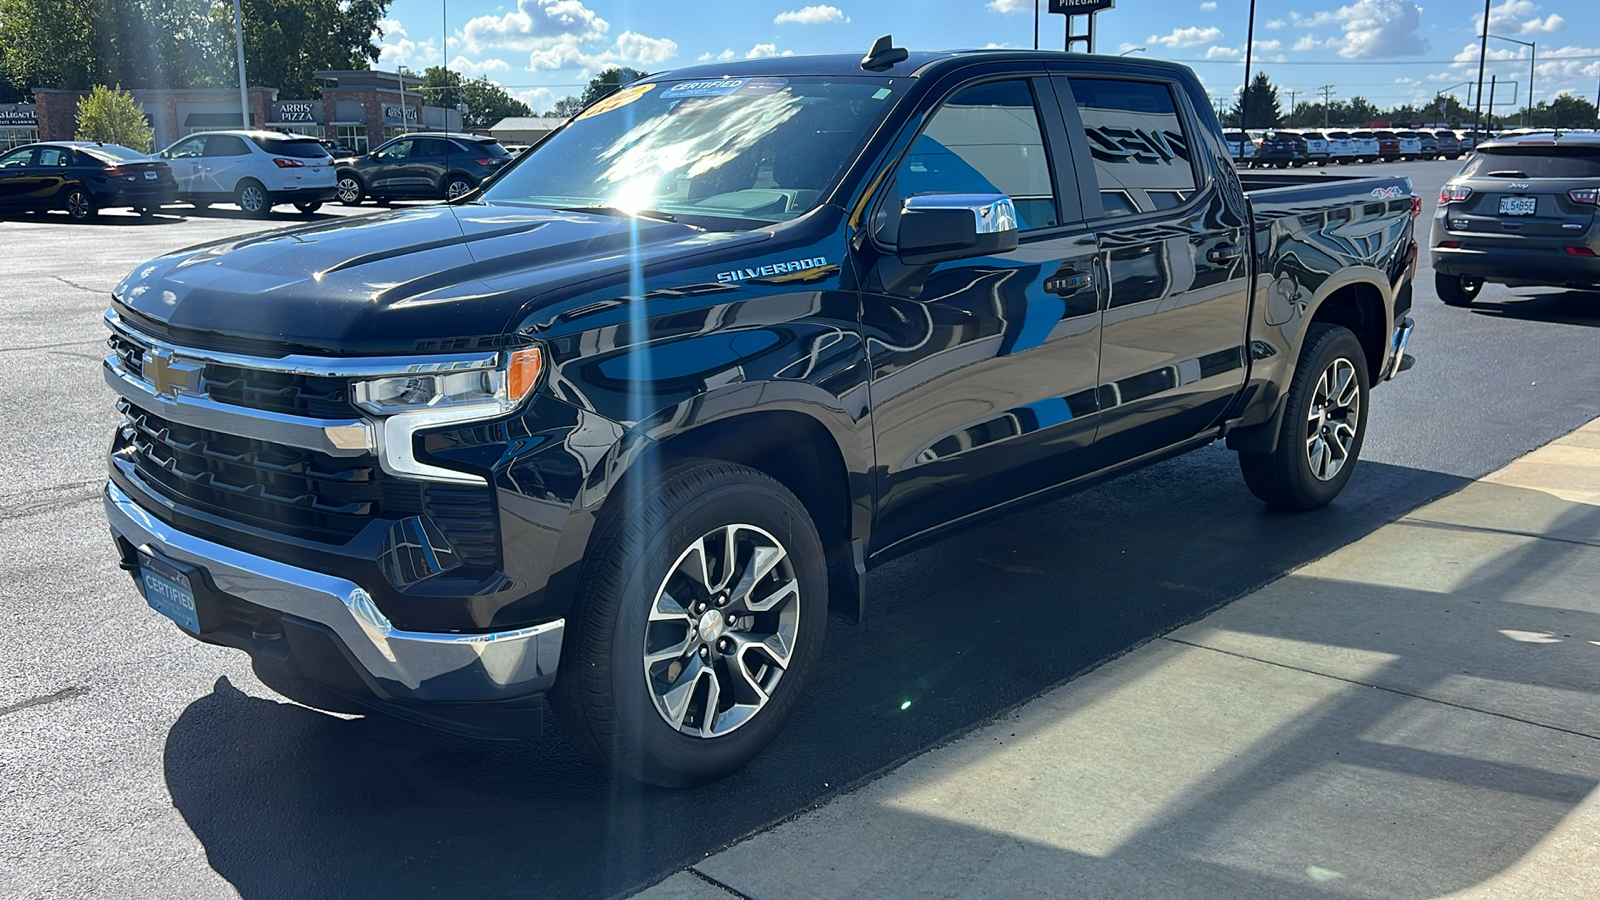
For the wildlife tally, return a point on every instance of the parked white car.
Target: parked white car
(255, 169)
(1341, 147)
(1317, 149)
(1240, 145)
(1365, 144)
(1410, 145)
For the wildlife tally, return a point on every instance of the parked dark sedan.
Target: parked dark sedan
(1282, 149)
(422, 166)
(83, 177)
(1449, 144)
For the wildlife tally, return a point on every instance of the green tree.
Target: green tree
(607, 82)
(112, 117)
(287, 41)
(1566, 111)
(486, 101)
(566, 108)
(1263, 108)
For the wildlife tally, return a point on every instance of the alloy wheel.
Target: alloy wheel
(349, 191)
(721, 631)
(252, 199)
(1331, 423)
(79, 206)
(456, 188)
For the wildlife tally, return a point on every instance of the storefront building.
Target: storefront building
(19, 124)
(361, 109)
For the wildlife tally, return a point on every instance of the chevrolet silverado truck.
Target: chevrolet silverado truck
(614, 434)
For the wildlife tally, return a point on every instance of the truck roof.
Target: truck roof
(919, 63)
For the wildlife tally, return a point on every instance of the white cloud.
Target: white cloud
(538, 99)
(1224, 53)
(480, 67)
(811, 15)
(396, 49)
(1208, 6)
(1011, 6)
(1268, 45)
(536, 25)
(1277, 23)
(1186, 37)
(763, 51)
(630, 49)
(1519, 17)
(1312, 42)
(1373, 28)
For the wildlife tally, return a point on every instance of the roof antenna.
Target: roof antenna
(883, 55)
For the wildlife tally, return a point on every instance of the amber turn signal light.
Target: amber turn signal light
(523, 373)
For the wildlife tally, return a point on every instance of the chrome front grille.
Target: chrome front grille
(288, 393)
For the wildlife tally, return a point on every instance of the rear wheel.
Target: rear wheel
(80, 205)
(252, 198)
(1324, 422)
(1457, 290)
(703, 608)
(456, 186)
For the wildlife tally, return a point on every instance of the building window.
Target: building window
(390, 132)
(353, 136)
(16, 137)
(309, 129)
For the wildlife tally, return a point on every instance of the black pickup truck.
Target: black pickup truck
(618, 430)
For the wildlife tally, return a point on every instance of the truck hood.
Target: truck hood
(424, 278)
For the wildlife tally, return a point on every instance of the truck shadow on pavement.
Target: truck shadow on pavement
(289, 801)
(1564, 307)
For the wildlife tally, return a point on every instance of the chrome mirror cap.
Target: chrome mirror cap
(992, 213)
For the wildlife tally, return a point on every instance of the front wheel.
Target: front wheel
(1457, 290)
(1324, 422)
(350, 190)
(702, 609)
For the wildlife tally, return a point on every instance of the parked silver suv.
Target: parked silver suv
(1524, 211)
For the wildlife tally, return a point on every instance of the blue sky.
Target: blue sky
(1388, 51)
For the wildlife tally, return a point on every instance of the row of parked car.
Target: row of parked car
(1284, 148)
(255, 169)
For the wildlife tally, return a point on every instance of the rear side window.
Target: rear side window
(1534, 162)
(53, 156)
(226, 145)
(309, 148)
(1140, 148)
(483, 148)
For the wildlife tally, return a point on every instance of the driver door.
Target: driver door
(388, 176)
(984, 371)
(16, 175)
(184, 158)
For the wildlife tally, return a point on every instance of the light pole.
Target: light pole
(1483, 57)
(1134, 50)
(1533, 58)
(1249, 45)
(238, 44)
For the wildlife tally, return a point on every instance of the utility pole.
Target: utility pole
(1292, 94)
(1491, 101)
(1483, 58)
(1249, 45)
(1327, 100)
(238, 44)
(1035, 24)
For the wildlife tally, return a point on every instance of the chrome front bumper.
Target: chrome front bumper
(408, 665)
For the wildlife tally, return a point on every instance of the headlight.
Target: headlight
(428, 397)
(456, 393)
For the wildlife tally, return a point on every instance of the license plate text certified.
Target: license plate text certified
(171, 597)
(1518, 206)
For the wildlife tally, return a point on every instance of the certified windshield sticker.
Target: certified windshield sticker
(720, 87)
(783, 268)
(758, 86)
(617, 100)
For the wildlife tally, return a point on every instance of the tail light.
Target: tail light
(115, 171)
(282, 163)
(1586, 196)
(486, 161)
(1580, 251)
(1451, 193)
(1416, 205)
(1448, 245)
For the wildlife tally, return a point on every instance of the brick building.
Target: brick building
(171, 113)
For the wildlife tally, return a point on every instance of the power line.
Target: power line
(1379, 62)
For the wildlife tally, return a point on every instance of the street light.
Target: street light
(1134, 50)
(1533, 58)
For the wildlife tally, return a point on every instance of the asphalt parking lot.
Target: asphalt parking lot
(135, 762)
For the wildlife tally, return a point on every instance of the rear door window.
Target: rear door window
(53, 156)
(1541, 162)
(310, 148)
(226, 145)
(1139, 144)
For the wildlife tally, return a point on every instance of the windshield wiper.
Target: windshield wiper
(651, 214)
(1508, 173)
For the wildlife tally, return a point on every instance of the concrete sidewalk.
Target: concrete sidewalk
(1415, 715)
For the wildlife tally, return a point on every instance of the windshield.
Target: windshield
(722, 153)
(1536, 162)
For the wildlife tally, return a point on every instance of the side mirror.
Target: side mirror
(937, 228)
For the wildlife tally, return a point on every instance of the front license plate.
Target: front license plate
(1518, 206)
(172, 597)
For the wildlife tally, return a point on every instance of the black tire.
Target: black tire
(457, 185)
(350, 190)
(146, 212)
(200, 205)
(252, 198)
(1285, 478)
(307, 209)
(603, 696)
(1457, 290)
(80, 204)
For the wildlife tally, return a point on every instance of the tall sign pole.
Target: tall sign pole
(1074, 9)
(238, 44)
(1249, 45)
(1483, 57)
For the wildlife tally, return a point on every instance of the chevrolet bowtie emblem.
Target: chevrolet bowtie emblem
(169, 376)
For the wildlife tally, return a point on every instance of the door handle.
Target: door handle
(1224, 253)
(1068, 282)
